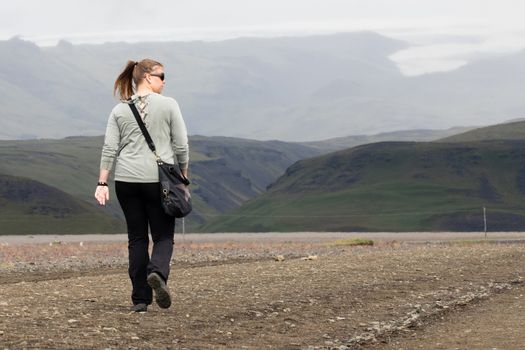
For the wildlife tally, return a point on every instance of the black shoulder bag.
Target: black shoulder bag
(175, 196)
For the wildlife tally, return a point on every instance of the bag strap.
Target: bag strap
(145, 132)
(150, 143)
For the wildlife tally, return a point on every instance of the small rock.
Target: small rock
(72, 321)
(310, 257)
(279, 258)
(135, 337)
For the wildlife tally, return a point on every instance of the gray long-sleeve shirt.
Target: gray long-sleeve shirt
(125, 147)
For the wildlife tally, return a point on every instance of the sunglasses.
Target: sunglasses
(160, 75)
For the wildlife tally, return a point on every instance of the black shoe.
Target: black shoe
(162, 295)
(139, 307)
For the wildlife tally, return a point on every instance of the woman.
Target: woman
(136, 175)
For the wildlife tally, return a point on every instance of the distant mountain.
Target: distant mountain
(239, 82)
(46, 96)
(393, 186)
(506, 131)
(30, 207)
(293, 89)
(340, 143)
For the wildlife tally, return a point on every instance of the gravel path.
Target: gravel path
(275, 294)
(274, 236)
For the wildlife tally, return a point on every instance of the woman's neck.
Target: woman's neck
(143, 90)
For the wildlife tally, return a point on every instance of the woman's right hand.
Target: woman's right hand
(102, 194)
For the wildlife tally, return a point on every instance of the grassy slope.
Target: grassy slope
(225, 172)
(30, 207)
(393, 187)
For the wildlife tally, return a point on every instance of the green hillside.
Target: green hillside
(393, 186)
(30, 207)
(506, 131)
(225, 172)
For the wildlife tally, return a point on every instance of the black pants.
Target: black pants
(140, 203)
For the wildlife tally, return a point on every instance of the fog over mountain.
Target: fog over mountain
(290, 88)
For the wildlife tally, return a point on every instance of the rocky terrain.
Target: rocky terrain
(317, 292)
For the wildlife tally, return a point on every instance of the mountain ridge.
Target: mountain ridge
(513, 130)
(227, 172)
(393, 186)
(293, 89)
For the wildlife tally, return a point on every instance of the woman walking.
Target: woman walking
(136, 175)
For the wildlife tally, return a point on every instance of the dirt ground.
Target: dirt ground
(235, 294)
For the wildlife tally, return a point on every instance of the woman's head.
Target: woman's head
(146, 72)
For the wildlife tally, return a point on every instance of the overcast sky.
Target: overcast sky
(447, 32)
